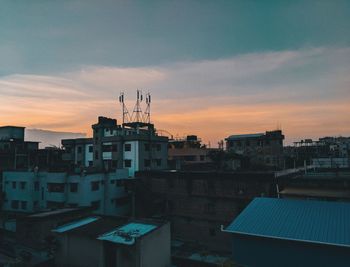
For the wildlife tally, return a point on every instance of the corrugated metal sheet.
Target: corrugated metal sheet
(75, 224)
(301, 220)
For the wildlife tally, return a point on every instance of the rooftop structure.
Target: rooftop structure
(302, 228)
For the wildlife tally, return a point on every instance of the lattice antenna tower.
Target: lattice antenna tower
(126, 115)
(147, 115)
(137, 112)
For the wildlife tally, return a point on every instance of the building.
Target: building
(15, 153)
(198, 203)
(135, 146)
(263, 149)
(188, 153)
(318, 185)
(284, 232)
(102, 241)
(30, 192)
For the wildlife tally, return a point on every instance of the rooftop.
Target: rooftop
(310, 221)
(241, 136)
(127, 234)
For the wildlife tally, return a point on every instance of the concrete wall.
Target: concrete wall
(264, 252)
(155, 248)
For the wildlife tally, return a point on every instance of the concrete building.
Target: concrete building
(318, 185)
(263, 149)
(37, 191)
(15, 153)
(99, 242)
(135, 146)
(283, 232)
(187, 153)
(198, 203)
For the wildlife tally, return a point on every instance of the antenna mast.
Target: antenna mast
(147, 118)
(126, 115)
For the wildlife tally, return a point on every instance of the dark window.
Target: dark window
(147, 163)
(247, 143)
(201, 157)
(95, 186)
(159, 147)
(114, 147)
(146, 147)
(119, 183)
(80, 149)
(55, 187)
(35, 205)
(14, 185)
(106, 148)
(36, 186)
(114, 163)
(239, 143)
(14, 204)
(127, 163)
(212, 231)
(95, 204)
(24, 205)
(91, 149)
(73, 187)
(91, 163)
(127, 147)
(190, 158)
(158, 162)
(112, 181)
(267, 142)
(23, 185)
(122, 201)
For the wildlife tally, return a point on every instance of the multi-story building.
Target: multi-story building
(37, 191)
(263, 149)
(198, 203)
(15, 153)
(187, 153)
(135, 146)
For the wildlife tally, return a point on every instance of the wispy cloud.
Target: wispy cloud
(307, 91)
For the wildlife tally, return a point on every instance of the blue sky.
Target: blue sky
(252, 58)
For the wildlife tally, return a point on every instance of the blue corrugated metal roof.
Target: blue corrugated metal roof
(75, 224)
(301, 220)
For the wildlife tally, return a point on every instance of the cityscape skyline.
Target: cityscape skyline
(213, 70)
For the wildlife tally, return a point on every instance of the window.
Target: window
(91, 149)
(80, 149)
(127, 147)
(73, 187)
(95, 204)
(95, 186)
(119, 183)
(106, 148)
(24, 205)
(36, 186)
(212, 231)
(14, 185)
(147, 163)
(114, 163)
(35, 205)
(247, 143)
(159, 147)
(55, 187)
(127, 163)
(158, 162)
(14, 204)
(201, 157)
(114, 147)
(122, 201)
(146, 147)
(91, 163)
(23, 185)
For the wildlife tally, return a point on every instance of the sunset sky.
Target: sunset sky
(214, 68)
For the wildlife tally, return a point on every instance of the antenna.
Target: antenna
(147, 115)
(126, 115)
(137, 112)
